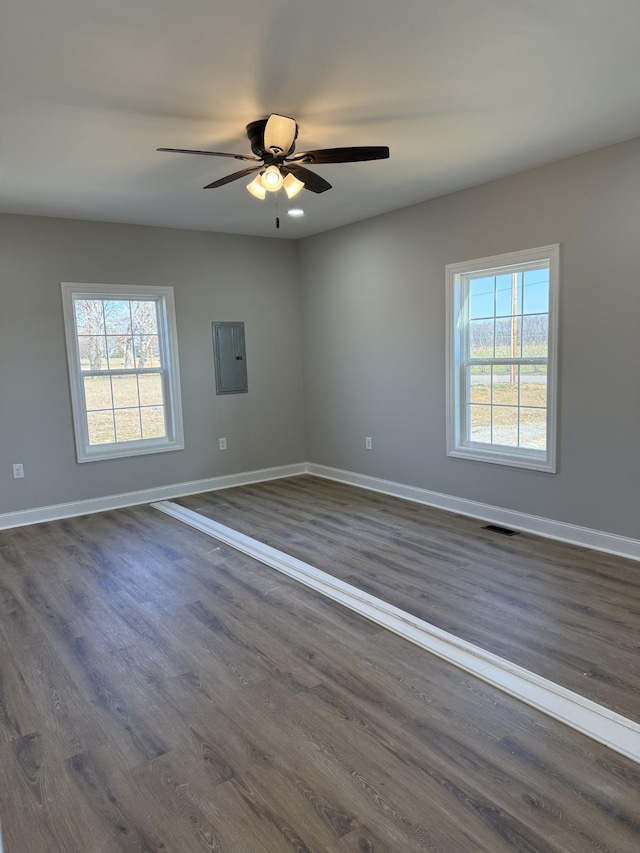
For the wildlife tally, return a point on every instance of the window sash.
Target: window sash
(460, 360)
(167, 370)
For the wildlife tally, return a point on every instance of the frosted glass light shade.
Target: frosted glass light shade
(292, 185)
(256, 189)
(279, 134)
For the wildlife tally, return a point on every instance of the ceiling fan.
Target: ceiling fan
(273, 144)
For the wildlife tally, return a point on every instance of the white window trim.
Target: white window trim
(174, 440)
(456, 445)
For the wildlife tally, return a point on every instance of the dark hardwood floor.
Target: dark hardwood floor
(569, 614)
(161, 692)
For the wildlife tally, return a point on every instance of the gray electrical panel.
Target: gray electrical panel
(230, 358)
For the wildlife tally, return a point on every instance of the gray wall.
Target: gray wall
(373, 311)
(216, 277)
(374, 338)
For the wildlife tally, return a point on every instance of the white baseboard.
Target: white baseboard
(145, 496)
(571, 533)
(583, 715)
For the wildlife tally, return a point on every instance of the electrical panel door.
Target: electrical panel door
(230, 358)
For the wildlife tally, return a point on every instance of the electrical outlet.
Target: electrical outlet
(18, 471)
(368, 443)
(222, 443)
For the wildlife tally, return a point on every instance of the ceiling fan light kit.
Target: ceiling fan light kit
(273, 141)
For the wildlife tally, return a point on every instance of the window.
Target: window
(502, 327)
(123, 367)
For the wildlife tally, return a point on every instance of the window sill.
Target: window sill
(533, 461)
(100, 452)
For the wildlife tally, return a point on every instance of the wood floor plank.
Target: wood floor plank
(23, 797)
(117, 810)
(18, 715)
(363, 840)
(43, 810)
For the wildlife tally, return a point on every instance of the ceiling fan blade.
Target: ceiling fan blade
(280, 134)
(210, 153)
(310, 180)
(344, 155)
(233, 177)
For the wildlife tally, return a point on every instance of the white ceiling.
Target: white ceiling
(462, 91)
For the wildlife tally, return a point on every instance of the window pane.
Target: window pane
(505, 385)
(153, 352)
(480, 373)
(146, 351)
(503, 338)
(150, 389)
(508, 294)
(479, 423)
(508, 337)
(479, 385)
(153, 425)
(535, 335)
(536, 291)
(533, 385)
(481, 339)
(505, 425)
(93, 352)
(100, 426)
(97, 392)
(533, 428)
(144, 317)
(117, 319)
(126, 362)
(127, 424)
(116, 351)
(89, 317)
(125, 391)
(481, 298)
